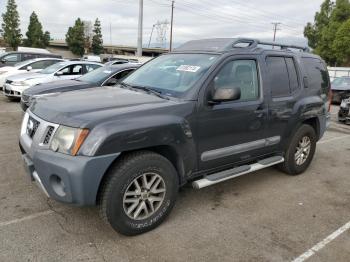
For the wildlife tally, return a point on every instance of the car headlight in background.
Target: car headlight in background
(68, 140)
(19, 83)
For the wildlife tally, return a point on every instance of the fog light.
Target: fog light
(57, 185)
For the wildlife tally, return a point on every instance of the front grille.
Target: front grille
(48, 135)
(8, 81)
(32, 126)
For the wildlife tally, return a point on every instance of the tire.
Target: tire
(291, 165)
(114, 202)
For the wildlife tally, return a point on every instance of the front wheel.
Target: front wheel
(300, 151)
(139, 193)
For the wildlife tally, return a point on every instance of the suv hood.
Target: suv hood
(56, 86)
(87, 107)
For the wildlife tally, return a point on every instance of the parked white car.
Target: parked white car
(32, 65)
(15, 85)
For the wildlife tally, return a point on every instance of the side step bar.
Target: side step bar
(236, 172)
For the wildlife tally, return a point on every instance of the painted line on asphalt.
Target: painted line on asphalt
(30, 217)
(333, 139)
(312, 251)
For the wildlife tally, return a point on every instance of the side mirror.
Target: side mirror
(225, 95)
(29, 68)
(59, 73)
(3, 61)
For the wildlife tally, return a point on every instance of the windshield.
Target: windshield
(342, 81)
(97, 75)
(52, 69)
(172, 74)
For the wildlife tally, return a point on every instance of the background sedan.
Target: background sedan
(103, 76)
(32, 65)
(15, 85)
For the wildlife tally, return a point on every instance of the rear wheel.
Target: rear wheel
(300, 151)
(139, 193)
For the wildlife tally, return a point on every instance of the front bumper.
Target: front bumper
(69, 179)
(65, 178)
(13, 91)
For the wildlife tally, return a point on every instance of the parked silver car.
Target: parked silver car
(15, 85)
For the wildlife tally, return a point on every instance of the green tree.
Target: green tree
(75, 38)
(35, 35)
(322, 33)
(46, 38)
(341, 44)
(97, 41)
(10, 26)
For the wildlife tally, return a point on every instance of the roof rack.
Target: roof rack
(226, 44)
(253, 43)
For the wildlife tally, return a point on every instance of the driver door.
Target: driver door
(234, 131)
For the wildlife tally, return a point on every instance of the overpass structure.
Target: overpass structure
(113, 49)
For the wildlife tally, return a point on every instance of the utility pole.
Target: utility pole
(275, 28)
(139, 38)
(171, 25)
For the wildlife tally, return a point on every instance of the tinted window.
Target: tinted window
(12, 58)
(28, 56)
(279, 80)
(115, 79)
(316, 73)
(292, 73)
(242, 74)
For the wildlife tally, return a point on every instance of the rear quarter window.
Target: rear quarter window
(316, 73)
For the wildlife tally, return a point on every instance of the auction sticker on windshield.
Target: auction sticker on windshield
(188, 68)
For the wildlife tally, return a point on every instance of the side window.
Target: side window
(28, 56)
(77, 70)
(50, 62)
(12, 58)
(66, 70)
(38, 65)
(316, 73)
(242, 74)
(90, 67)
(279, 80)
(292, 73)
(114, 79)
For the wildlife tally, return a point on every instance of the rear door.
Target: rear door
(283, 76)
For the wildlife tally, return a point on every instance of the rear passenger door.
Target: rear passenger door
(283, 76)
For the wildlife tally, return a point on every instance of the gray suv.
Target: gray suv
(210, 111)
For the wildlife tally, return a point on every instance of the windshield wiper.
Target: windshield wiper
(146, 89)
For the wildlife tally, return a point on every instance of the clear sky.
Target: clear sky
(193, 19)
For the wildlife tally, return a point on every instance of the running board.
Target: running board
(236, 172)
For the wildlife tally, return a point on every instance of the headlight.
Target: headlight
(19, 83)
(68, 140)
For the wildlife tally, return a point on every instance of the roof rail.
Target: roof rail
(253, 43)
(227, 44)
